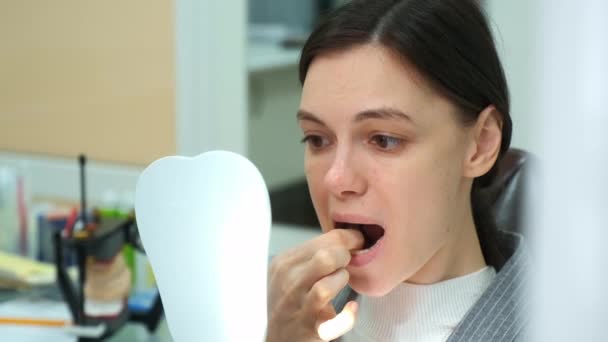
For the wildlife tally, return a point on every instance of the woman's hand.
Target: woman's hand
(302, 283)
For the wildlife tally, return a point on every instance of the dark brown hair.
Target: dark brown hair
(450, 44)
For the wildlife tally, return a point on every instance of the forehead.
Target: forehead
(368, 76)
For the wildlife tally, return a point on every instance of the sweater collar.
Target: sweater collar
(500, 312)
(413, 311)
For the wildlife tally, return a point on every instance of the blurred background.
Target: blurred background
(128, 82)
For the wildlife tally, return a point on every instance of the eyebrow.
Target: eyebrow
(308, 116)
(384, 113)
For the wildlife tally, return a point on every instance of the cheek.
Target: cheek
(415, 206)
(420, 197)
(315, 171)
(432, 176)
(315, 175)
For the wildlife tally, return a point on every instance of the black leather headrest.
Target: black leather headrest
(506, 193)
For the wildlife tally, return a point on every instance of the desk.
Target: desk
(136, 332)
(283, 236)
(48, 301)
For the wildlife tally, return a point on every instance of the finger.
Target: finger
(300, 278)
(351, 239)
(324, 290)
(288, 262)
(339, 325)
(323, 263)
(348, 239)
(326, 314)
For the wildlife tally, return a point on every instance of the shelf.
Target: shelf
(263, 57)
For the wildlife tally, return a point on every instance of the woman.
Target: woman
(404, 113)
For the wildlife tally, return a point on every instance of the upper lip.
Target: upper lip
(353, 218)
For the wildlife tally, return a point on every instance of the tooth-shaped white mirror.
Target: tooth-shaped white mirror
(205, 225)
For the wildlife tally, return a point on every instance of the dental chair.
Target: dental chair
(507, 193)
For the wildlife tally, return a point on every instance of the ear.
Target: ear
(486, 137)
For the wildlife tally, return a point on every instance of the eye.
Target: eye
(386, 142)
(315, 142)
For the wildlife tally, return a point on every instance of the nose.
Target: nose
(343, 179)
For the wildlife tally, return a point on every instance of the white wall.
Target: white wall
(514, 23)
(58, 178)
(274, 135)
(571, 222)
(211, 76)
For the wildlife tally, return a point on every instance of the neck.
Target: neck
(460, 255)
(420, 312)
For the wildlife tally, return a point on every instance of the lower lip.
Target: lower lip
(359, 260)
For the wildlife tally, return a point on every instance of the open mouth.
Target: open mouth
(371, 232)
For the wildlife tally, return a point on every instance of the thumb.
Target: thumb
(339, 325)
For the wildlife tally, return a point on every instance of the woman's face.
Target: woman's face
(384, 149)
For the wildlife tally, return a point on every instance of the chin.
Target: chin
(369, 286)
